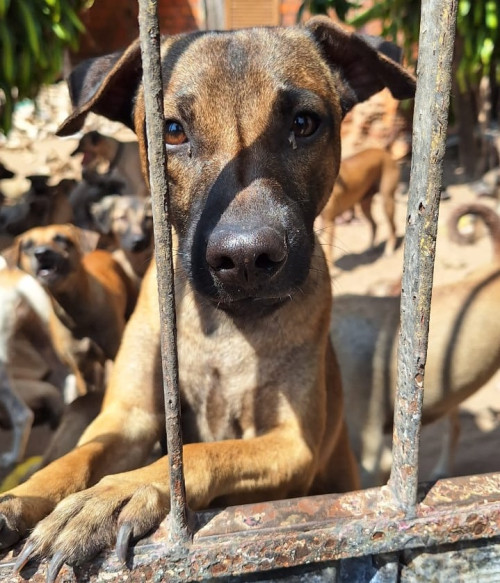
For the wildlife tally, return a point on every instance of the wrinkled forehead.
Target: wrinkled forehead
(224, 68)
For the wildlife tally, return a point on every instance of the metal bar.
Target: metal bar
(155, 130)
(437, 32)
(289, 533)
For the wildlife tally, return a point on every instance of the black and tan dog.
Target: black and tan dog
(463, 354)
(252, 120)
(128, 221)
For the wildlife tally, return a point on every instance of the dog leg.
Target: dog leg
(276, 465)
(366, 209)
(389, 208)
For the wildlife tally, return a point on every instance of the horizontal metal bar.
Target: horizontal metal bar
(288, 533)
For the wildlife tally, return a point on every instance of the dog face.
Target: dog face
(51, 254)
(90, 146)
(252, 122)
(128, 218)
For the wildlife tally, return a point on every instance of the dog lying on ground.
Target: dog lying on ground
(360, 177)
(128, 220)
(463, 353)
(28, 364)
(252, 133)
(123, 159)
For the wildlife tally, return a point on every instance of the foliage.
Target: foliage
(477, 26)
(341, 7)
(33, 37)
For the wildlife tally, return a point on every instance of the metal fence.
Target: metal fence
(381, 523)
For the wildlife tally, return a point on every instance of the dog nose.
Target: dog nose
(139, 242)
(246, 258)
(42, 252)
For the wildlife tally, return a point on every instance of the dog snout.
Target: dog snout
(246, 258)
(45, 255)
(139, 242)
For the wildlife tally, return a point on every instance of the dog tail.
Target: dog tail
(488, 216)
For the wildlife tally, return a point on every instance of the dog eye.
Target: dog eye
(174, 133)
(62, 240)
(26, 245)
(304, 125)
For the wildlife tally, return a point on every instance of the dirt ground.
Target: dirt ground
(33, 149)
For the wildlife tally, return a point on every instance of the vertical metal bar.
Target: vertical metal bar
(155, 130)
(437, 32)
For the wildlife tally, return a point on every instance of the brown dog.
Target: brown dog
(128, 220)
(463, 353)
(123, 160)
(360, 177)
(91, 295)
(252, 133)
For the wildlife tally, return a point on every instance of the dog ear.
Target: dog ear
(101, 213)
(105, 85)
(367, 63)
(87, 239)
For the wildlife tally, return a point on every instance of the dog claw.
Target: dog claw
(24, 556)
(56, 563)
(123, 541)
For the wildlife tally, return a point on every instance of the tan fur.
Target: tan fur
(262, 400)
(361, 176)
(463, 353)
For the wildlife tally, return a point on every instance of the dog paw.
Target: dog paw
(85, 523)
(17, 515)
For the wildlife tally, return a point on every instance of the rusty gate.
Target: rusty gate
(403, 531)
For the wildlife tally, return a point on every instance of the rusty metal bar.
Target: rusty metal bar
(155, 130)
(437, 32)
(288, 533)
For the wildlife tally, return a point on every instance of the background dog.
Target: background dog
(122, 158)
(463, 353)
(128, 222)
(360, 177)
(91, 295)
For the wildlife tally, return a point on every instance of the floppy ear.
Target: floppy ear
(367, 64)
(105, 85)
(101, 213)
(88, 240)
